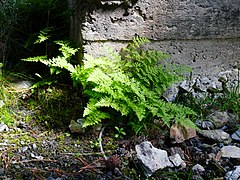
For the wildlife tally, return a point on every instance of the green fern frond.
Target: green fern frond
(66, 50)
(36, 59)
(43, 35)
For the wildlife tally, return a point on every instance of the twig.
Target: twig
(85, 154)
(91, 166)
(37, 160)
(100, 142)
(82, 160)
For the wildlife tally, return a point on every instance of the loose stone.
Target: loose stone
(77, 126)
(177, 160)
(233, 175)
(180, 133)
(152, 158)
(198, 168)
(219, 119)
(230, 152)
(216, 135)
(236, 135)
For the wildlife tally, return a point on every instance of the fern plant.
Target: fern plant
(130, 83)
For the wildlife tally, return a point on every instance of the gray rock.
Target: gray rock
(177, 150)
(186, 85)
(219, 119)
(233, 120)
(205, 124)
(205, 81)
(152, 158)
(177, 160)
(77, 126)
(198, 168)
(233, 175)
(170, 94)
(236, 135)
(216, 135)
(198, 86)
(230, 152)
(199, 95)
(3, 127)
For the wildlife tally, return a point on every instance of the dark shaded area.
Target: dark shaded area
(30, 17)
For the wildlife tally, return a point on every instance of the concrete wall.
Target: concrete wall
(204, 34)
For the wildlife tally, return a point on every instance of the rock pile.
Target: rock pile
(212, 151)
(202, 86)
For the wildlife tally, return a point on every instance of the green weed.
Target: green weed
(120, 132)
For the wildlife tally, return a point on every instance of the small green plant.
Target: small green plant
(129, 84)
(231, 98)
(120, 132)
(95, 144)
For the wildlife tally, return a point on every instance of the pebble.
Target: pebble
(236, 135)
(177, 150)
(233, 175)
(177, 160)
(170, 94)
(22, 85)
(205, 124)
(230, 152)
(3, 127)
(198, 168)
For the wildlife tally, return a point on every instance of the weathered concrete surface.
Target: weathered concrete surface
(164, 19)
(204, 34)
(206, 57)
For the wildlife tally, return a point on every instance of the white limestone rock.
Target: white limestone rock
(152, 158)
